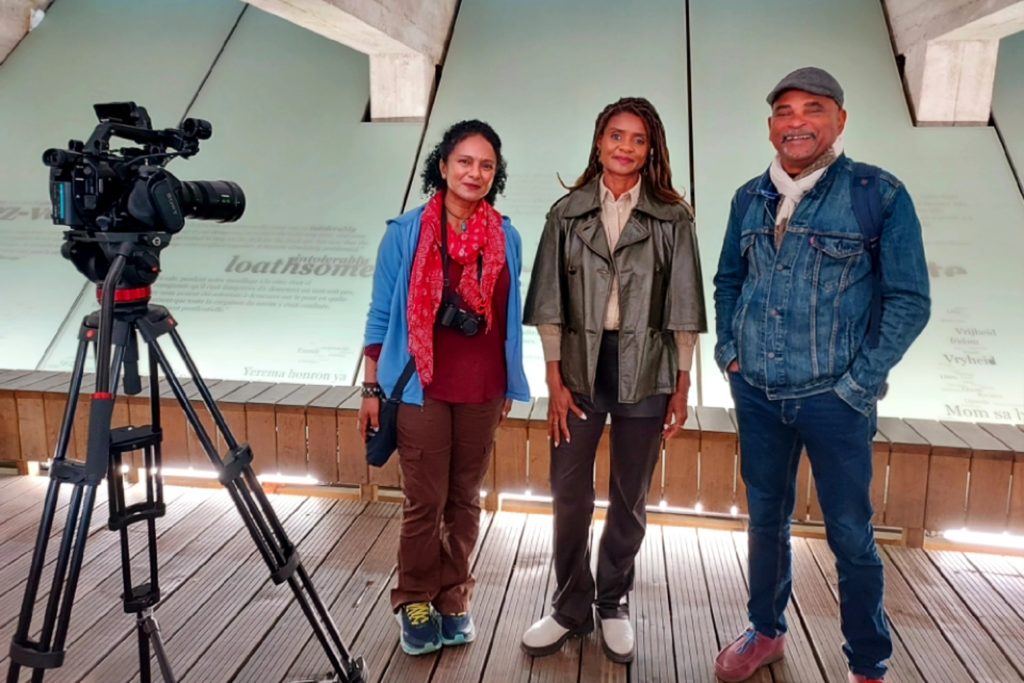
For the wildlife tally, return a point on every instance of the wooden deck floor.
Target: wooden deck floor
(955, 616)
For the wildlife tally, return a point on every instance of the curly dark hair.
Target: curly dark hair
(432, 180)
(657, 171)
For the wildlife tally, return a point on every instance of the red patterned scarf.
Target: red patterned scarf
(483, 234)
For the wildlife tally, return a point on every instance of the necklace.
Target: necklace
(461, 224)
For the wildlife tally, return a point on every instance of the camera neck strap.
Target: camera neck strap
(444, 254)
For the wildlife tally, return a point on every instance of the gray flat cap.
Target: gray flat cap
(809, 79)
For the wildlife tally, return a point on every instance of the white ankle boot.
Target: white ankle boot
(617, 639)
(547, 636)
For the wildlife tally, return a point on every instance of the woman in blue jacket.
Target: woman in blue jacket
(445, 295)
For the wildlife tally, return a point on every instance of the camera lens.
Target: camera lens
(212, 200)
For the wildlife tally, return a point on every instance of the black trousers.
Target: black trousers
(635, 447)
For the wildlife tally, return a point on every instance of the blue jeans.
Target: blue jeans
(838, 441)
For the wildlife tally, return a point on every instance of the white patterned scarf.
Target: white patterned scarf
(794, 189)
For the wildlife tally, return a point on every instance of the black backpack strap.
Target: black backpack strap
(403, 379)
(866, 197)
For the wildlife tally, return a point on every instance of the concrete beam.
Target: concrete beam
(15, 20)
(951, 49)
(405, 40)
(916, 21)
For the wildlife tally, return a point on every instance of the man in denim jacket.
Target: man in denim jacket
(793, 299)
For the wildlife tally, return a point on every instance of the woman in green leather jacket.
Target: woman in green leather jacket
(617, 298)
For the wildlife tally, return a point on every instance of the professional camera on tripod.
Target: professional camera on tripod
(122, 209)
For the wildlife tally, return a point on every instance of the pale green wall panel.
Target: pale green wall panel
(540, 72)
(1008, 99)
(85, 51)
(286, 107)
(967, 364)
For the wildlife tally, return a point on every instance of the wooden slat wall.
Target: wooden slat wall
(928, 475)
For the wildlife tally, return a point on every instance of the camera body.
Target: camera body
(108, 197)
(451, 315)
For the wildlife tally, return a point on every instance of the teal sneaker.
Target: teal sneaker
(420, 635)
(457, 629)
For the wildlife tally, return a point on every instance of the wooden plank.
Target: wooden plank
(740, 495)
(524, 604)
(220, 561)
(901, 666)
(539, 470)
(330, 553)
(948, 469)
(397, 666)
(99, 621)
(232, 406)
(261, 434)
(352, 607)
(1013, 439)
(201, 641)
(32, 420)
(352, 467)
(800, 663)
(565, 665)
(22, 498)
(681, 464)
(198, 458)
(235, 422)
(10, 440)
(323, 437)
(81, 428)
(290, 413)
(692, 622)
(961, 630)
(492, 569)
(54, 405)
(907, 490)
(603, 462)
(727, 589)
(918, 631)
(996, 617)
(16, 546)
(991, 469)
(718, 458)
(174, 447)
(880, 450)
(96, 568)
(819, 612)
(352, 451)
(593, 664)
(510, 450)
(805, 492)
(650, 612)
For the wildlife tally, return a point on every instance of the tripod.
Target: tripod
(112, 331)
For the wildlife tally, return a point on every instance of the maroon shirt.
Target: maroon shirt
(472, 369)
(469, 369)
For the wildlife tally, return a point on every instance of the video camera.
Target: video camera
(109, 198)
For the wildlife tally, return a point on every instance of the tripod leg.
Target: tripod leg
(236, 474)
(43, 654)
(151, 629)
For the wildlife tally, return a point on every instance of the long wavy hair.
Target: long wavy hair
(431, 175)
(656, 171)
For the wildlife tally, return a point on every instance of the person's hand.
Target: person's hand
(369, 416)
(560, 403)
(675, 414)
(733, 366)
(504, 410)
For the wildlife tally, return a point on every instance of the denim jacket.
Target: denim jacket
(796, 318)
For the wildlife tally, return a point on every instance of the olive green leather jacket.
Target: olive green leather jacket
(660, 289)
